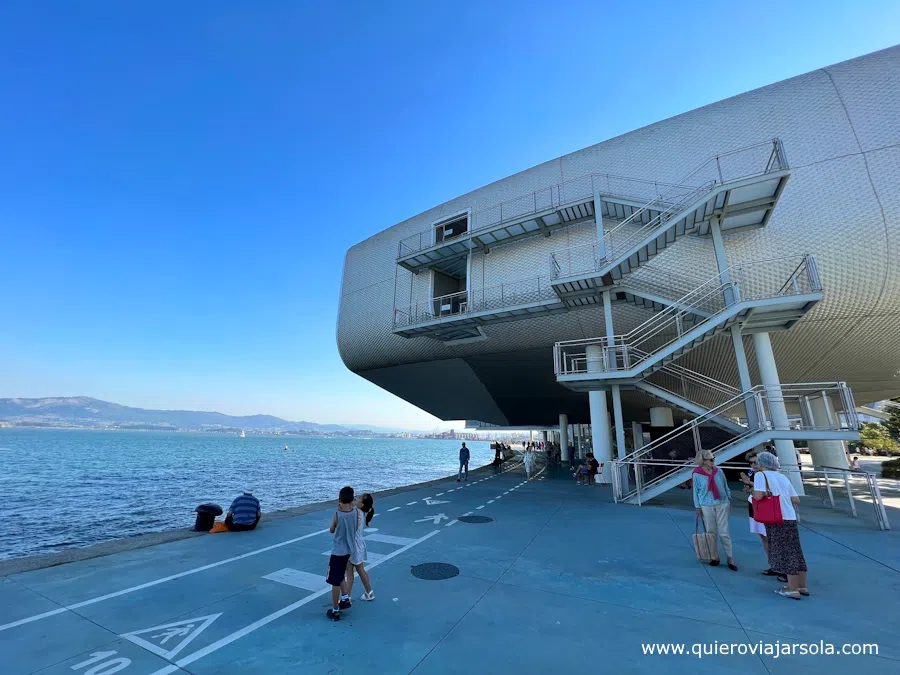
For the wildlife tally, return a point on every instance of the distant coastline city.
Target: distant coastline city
(87, 413)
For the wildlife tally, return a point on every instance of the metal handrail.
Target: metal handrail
(817, 473)
(555, 196)
(712, 293)
(776, 161)
(544, 198)
(476, 300)
(759, 396)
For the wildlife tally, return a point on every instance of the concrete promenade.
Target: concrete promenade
(560, 580)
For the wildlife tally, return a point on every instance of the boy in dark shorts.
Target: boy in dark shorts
(343, 527)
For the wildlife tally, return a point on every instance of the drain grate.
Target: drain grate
(475, 519)
(434, 571)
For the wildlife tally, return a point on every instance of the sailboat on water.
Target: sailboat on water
(243, 435)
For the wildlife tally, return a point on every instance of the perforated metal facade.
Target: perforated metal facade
(840, 127)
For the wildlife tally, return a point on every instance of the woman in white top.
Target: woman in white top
(785, 554)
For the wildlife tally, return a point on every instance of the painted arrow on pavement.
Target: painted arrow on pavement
(434, 519)
(431, 502)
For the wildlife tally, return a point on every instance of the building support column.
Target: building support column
(661, 418)
(768, 373)
(600, 428)
(817, 411)
(564, 437)
(721, 259)
(616, 391)
(729, 295)
(598, 218)
(740, 355)
(576, 437)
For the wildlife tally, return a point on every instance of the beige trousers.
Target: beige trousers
(715, 519)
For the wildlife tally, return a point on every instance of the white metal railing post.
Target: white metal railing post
(760, 410)
(884, 523)
(849, 494)
(828, 487)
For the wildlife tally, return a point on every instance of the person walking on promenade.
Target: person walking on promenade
(343, 527)
(785, 553)
(244, 513)
(365, 511)
(712, 499)
(463, 463)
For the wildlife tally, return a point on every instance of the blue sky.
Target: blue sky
(179, 181)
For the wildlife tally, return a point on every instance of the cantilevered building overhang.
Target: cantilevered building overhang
(682, 265)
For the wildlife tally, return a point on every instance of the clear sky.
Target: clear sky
(179, 181)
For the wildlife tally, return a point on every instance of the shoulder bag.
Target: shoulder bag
(768, 509)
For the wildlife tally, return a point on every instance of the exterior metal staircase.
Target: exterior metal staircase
(650, 472)
(754, 295)
(698, 395)
(529, 215)
(739, 188)
(459, 315)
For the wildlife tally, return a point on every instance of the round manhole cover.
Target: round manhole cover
(475, 519)
(435, 571)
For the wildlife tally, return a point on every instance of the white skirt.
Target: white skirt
(757, 528)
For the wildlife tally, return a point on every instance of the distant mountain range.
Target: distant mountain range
(83, 411)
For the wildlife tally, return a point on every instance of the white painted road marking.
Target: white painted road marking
(468, 514)
(394, 509)
(246, 630)
(298, 578)
(411, 503)
(186, 629)
(125, 591)
(436, 519)
(490, 501)
(431, 502)
(479, 507)
(452, 522)
(390, 539)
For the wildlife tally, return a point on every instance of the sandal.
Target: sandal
(770, 573)
(788, 593)
(803, 591)
(732, 567)
(713, 563)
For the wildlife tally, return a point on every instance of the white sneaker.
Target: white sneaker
(368, 596)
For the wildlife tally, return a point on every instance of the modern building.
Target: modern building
(719, 279)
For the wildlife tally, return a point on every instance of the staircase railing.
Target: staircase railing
(701, 390)
(651, 469)
(748, 162)
(757, 280)
(556, 196)
(462, 303)
(667, 284)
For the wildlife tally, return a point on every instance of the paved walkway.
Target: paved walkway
(561, 580)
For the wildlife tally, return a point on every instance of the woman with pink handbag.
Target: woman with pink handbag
(774, 499)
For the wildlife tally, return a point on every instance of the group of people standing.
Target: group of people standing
(780, 540)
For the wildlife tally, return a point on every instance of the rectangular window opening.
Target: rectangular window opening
(448, 229)
(449, 294)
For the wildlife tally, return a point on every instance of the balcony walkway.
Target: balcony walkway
(561, 580)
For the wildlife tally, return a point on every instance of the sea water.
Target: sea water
(71, 488)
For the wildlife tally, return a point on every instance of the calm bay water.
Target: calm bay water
(64, 489)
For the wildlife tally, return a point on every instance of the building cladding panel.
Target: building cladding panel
(840, 127)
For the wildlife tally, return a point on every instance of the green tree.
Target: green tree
(893, 423)
(878, 437)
